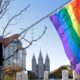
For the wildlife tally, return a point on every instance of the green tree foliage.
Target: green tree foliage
(31, 75)
(58, 72)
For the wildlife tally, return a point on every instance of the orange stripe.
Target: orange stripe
(76, 9)
(75, 23)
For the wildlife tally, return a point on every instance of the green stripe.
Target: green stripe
(74, 35)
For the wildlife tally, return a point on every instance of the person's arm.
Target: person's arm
(7, 41)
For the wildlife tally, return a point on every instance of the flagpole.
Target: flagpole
(45, 17)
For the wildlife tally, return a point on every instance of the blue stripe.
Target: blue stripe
(74, 48)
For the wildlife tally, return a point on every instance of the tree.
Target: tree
(31, 75)
(3, 7)
(4, 4)
(58, 72)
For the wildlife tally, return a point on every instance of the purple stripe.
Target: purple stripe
(64, 39)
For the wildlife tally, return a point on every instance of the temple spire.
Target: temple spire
(40, 56)
(47, 63)
(33, 59)
(34, 65)
(47, 58)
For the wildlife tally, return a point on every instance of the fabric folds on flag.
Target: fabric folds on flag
(67, 24)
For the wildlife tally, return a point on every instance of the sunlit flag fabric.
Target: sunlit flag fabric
(67, 24)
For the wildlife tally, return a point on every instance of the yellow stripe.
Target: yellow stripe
(75, 23)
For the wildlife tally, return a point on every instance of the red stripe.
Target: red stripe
(76, 9)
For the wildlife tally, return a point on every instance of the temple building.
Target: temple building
(39, 68)
(18, 57)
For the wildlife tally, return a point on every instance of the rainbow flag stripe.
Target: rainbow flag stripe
(67, 24)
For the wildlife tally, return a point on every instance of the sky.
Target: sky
(50, 43)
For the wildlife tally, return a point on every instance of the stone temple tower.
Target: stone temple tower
(47, 64)
(34, 65)
(40, 66)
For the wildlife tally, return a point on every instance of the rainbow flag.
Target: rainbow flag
(67, 24)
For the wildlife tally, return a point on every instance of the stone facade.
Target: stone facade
(39, 68)
(19, 57)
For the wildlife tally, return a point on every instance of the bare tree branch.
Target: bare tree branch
(7, 34)
(12, 18)
(30, 43)
(1, 15)
(12, 24)
(3, 7)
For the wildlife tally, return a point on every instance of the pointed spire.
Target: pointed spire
(47, 58)
(33, 59)
(47, 63)
(40, 55)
